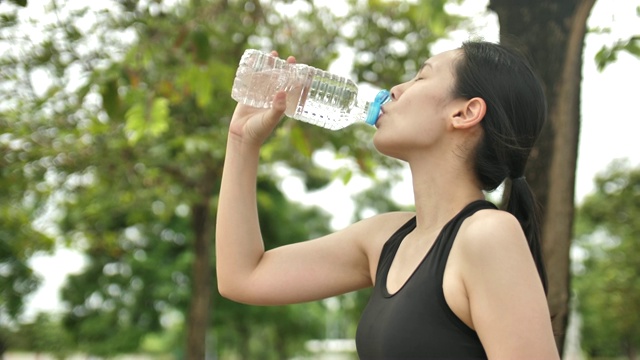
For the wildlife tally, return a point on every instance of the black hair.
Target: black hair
(516, 112)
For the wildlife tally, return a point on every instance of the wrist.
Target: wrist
(241, 145)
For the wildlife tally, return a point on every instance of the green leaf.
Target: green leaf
(345, 175)
(202, 46)
(633, 46)
(110, 98)
(139, 124)
(300, 142)
(134, 127)
(22, 3)
(609, 54)
(197, 80)
(159, 123)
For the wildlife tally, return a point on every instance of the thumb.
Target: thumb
(276, 112)
(279, 104)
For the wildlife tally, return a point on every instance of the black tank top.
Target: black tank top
(416, 322)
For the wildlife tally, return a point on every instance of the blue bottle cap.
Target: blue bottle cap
(374, 109)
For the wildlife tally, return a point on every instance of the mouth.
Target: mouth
(382, 112)
(375, 109)
(377, 124)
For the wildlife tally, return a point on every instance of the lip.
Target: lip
(377, 124)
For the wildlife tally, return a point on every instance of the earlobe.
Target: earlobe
(471, 113)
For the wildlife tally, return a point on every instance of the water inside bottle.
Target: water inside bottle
(257, 89)
(313, 96)
(327, 100)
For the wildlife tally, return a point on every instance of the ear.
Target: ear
(470, 113)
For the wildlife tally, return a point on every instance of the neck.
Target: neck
(440, 192)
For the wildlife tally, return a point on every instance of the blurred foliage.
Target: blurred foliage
(609, 54)
(114, 126)
(392, 38)
(607, 279)
(43, 335)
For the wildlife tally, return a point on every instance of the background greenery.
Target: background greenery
(114, 121)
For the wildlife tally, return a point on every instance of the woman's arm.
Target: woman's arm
(508, 306)
(303, 271)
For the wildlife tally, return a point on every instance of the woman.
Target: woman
(457, 278)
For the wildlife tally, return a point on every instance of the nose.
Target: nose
(396, 91)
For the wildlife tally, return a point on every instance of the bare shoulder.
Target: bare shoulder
(492, 247)
(506, 299)
(388, 220)
(488, 220)
(490, 233)
(495, 258)
(374, 231)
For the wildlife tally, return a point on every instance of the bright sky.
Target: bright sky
(610, 128)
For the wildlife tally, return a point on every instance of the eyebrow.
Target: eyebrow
(424, 64)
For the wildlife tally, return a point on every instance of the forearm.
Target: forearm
(239, 245)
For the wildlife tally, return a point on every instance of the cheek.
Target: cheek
(401, 141)
(417, 127)
(397, 142)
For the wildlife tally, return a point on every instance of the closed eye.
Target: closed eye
(426, 64)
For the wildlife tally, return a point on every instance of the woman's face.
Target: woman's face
(418, 116)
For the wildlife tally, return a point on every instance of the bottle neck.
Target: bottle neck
(372, 109)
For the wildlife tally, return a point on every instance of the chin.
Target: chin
(386, 146)
(377, 142)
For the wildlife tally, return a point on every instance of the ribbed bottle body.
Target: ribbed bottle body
(313, 96)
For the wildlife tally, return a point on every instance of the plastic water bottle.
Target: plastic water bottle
(313, 96)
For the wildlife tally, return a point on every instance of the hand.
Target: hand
(254, 125)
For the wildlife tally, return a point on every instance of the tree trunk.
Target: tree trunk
(552, 33)
(3, 347)
(201, 282)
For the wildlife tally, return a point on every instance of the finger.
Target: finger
(279, 104)
(291, 60)
(271, 118)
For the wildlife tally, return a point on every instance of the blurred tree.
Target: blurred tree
(24, 190)
(552, 33)
(42, 335)
(607, 279)
(139, 133)
(609, 54)
(122, 110)
(393, 39)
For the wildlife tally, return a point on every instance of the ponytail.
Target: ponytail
(516, 112)
(520, 202)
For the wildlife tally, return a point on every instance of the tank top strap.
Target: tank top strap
(391, 247)
(443, 244)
